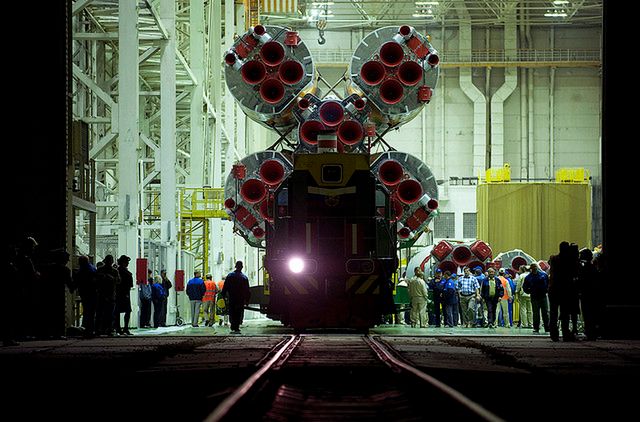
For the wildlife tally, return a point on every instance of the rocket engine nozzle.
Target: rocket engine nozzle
(272, 91)
(309, 131)
(271, 172)
(409, 191)
(391, 91)
(272, 53)
(253, 72)
(350, 132)
(291, 72)
(410, 73)
(391, 54)
(253, 191)
(462, 255)
(331, 113)
(372, 73)
(390, 172)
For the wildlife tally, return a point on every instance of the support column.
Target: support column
(474, 94)
(196, 52)
(168, 228)
(507, 88)
(215, 165)
(128, 139)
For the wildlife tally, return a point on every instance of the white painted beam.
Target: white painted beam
(89, 83)
(128, 141)
(196, 52)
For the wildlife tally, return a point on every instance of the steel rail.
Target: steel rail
(234, 398)
(384, 353)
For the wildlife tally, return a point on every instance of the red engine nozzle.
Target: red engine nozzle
(303, 104)
(372, 73)
(272, 91)
(309, 131)
(391, 54)
(259, 30)
(253, 72)
(461, 255)
(230, 203)
(359, 104)
(253, 191)
(271, 172)
(230, 59)
(258, 232)
(272, 53)
(291, 72)
(450, 266)
(410, 73)
(350, 132)
(404, 232)
(433, 60)
(409, 191)
(264, 210)
(390, 172)
(391, 91)
(517, 262)
(331, 113)
(404, 30)
(432, 204)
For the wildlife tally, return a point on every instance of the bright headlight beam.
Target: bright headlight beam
(296, 265)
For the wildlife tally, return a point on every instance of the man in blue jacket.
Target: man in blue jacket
(491, 292)
(537, 285)
(196, 290)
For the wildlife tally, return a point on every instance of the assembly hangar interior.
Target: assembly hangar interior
(330, 146)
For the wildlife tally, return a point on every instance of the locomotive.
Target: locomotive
(329, 213)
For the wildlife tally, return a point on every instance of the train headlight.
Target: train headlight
(296, 265)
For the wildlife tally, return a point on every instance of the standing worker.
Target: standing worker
(418, 295)
(196, 290)
(209, 300)
(123, 296)
(236, 290)
(166, 285)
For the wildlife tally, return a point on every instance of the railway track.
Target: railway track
(345, 377)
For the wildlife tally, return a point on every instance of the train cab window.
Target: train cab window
(332, 173)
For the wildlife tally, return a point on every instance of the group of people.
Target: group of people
(487, 299)
(234, 290)
(154, 295)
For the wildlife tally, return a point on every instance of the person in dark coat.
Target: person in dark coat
(107, 280)
(536, 283)
(491, 291)
(123, 296)
(166, 285)
(237, 293)
(144, 294)
(84, 279)
(563, 297)
(158, 297)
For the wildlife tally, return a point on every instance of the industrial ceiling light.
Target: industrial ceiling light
(427, 3)
(322, 3)
(556, 14)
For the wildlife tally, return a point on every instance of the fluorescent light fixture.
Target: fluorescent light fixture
(427, 3)
(325, 3)
(556, 14)
(422, 15)
(560, 2)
